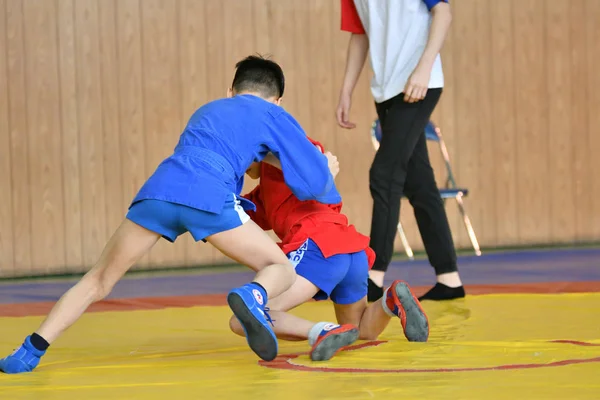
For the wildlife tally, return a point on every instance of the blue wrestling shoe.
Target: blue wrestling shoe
(24, 359)
(248, 305)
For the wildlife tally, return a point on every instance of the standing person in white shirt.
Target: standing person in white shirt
(404, 39)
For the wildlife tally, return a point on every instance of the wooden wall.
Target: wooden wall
(94, 93)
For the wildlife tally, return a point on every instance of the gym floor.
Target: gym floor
(529, 328)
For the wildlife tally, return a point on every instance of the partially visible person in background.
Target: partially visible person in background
(404, 38)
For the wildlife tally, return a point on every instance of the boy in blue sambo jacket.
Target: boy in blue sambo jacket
(196, 190)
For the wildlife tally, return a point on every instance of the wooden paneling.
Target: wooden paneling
(531, 102)
(44, 133)
(503, 132)
(589, 90)
(72, 158)
(579, 95)
(91, 127)
(6, 187)
(19, 140)
(94, 94)
(560, 120)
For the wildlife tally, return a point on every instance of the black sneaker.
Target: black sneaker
(443, 292)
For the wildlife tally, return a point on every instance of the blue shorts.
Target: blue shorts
(171, 220)
(342, 277)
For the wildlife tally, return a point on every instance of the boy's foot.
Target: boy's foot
(331, 340)
(24, 359)
(401, 301)
(247, 303)
(443, 292)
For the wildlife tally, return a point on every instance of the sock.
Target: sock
(316, 330)
(374, 292)
(387, 303)
(38, 342)
(261, 290)
(443, 292)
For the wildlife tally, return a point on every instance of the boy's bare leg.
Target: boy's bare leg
(249, 245)
(301, 291)
(397, 301)
(371, 319)
(287, 325)
(127, 245)
(325, 338)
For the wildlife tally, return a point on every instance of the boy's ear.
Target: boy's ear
(229, 92)
(278, 102)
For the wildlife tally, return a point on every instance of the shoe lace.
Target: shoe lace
(267, 316)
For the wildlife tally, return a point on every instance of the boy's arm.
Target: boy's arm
(305, 169)
(332, 161)
(259, 216)
(418, 83)
(358, 49)
(274, 161)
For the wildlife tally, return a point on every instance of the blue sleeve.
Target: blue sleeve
(432, 3)
(304, 167)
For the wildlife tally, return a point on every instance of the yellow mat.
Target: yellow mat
(483, 347)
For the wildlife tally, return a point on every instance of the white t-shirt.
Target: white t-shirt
(398, 31)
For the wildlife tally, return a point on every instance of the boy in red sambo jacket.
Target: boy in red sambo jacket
(332, 260)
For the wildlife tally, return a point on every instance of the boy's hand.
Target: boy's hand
(332, 162)
(417, 84)
(342, 113)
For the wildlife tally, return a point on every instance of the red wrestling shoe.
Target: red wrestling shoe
(401, 301)
(331, 340)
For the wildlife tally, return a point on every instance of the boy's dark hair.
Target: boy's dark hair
(260, 75)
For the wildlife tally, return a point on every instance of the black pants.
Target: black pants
(401, 166)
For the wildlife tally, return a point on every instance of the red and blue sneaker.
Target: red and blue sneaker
(23, 359)
(332, 339)
(248, 305)
(401, 301)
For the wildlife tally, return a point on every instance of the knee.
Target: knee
(378, 183)
(378, 173)
(235, 326)
(384, 177)
(287, 273)
(422, 195)
(424, 188)
(290, 271)
(97, 288)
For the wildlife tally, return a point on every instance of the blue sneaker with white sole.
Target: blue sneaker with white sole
(23, 359)
(248, 305)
